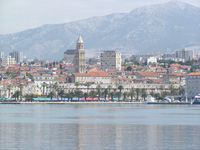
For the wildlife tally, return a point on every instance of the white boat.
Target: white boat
(151, 99)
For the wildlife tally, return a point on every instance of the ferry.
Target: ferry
(197, 99)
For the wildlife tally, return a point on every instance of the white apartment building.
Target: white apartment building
(9, 60)
(185, 54)
(192, 85)
(39, 79)
(110, 60)
(1, 54)
(151, 60)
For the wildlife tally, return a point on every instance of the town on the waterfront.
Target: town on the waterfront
(160, 76)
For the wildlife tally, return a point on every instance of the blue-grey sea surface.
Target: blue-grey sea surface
(99, 127)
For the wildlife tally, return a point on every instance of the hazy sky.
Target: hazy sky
(19, 15)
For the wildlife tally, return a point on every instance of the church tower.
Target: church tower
(79, 58)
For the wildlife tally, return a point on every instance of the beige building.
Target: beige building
(9, 60)
(110, 60)
(93, 77)
(192, 85)
(79, 58)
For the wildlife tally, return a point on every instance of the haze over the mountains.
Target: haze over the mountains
(164, 27)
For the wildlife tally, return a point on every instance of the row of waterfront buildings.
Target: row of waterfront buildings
(39, 78)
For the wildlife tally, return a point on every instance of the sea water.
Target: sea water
(99, 127)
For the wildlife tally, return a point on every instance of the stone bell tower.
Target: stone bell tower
(79, 58)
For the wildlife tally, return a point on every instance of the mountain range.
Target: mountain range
(162, 27)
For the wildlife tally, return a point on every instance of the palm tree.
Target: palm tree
(68, 95)
(105, 93)
(120, 88)
(161, 88)
(21, 89)
(92, 94)
(131, 93)
(125, 95)
(98, 91)
(137, 90)
(78, 94)
(112, 95)
(55, 86)
(44, 84)
(51, 94)
(181, 90)
(144, 93)
(172, 89)
(109, 89)
(85, 95)
(156, 95)
(72, 94)
(16, 94)
(77, 85)
(118, 94)
(61, 93)
(88, 84)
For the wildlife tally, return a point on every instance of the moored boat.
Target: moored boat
(197, 99)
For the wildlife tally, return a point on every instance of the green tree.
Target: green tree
(156, 95)
(61, 93)
(137, 90)
(144, 93)
(120, 88)
(118, 94)
(16, 95)
(112, 95)
(68, 96)
(88, 84)
(51, 94)
(21, 86)
(131, 93)
(85, 95)
(77, 85)
(109, 89)
(105, 92)
(172, 90)
(125, 95)
(79, 94)
(161, 89)
(98, 88)
(55, 86)
(181, 90)
(129, 68)
(92, 94)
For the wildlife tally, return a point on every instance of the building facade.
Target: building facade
(110, 60)
(69, 56)
(92, 77)
(192, 85)
(79, 58)
(18, 56)
(185, 55)
(9, 60)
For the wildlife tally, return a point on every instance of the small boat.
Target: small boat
(197, 99)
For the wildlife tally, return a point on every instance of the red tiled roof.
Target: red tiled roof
(194, 74)
(148, 74)
(94, 74)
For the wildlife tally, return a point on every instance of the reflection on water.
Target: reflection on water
(99, 127)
